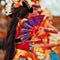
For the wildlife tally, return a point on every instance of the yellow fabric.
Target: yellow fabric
(21, 52)
(18, 53)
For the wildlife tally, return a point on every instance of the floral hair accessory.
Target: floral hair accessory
(16, 5)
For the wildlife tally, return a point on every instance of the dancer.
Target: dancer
(22, 29)
(17, 15)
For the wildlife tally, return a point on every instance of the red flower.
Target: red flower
(16, 5)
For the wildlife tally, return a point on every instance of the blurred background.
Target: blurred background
(3, 27)
(52, 5)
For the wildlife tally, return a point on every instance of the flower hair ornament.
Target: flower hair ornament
(10, 5)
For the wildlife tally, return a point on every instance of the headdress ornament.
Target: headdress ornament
(10, 5)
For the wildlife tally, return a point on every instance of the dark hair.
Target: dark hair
(21, 13)
(27, 6)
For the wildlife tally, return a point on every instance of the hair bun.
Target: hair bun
(27, 6)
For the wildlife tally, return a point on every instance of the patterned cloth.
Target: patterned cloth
(30, 48)
(28, 28)
(54, 56)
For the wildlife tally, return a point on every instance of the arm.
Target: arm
(53, 28)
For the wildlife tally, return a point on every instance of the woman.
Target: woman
(17, 15)
(17, 44)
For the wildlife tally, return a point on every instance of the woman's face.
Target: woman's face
(34, 12)
(29, 15)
